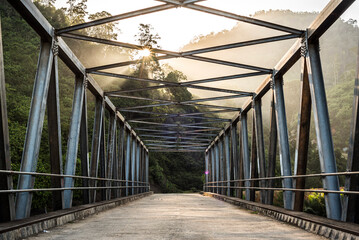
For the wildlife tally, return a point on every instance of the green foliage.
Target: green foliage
(315, 204)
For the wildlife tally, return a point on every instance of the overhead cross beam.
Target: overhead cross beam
(235, 17)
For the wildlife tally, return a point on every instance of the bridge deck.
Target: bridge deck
(177, 216)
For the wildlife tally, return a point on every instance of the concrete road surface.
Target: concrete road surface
(176, 216)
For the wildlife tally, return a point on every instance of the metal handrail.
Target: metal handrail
(63, 176)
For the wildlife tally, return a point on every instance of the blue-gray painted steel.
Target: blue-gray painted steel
(95, 147)
(227, 161)
(245, 151)
(73, 140)
(323, 131)
(261, 162)
(34, 129)
(133, 163)
(284, 152)
(217, 165)
(138, 156)
(111, 150)
(206, 171)
(235, 159)
(213, 161)
(128, 160)
(222, 164)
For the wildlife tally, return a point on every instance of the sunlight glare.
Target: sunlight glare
(143, 53)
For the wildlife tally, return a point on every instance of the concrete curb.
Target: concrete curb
(27, 227)
(318, 225)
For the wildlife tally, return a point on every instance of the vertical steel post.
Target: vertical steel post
(116, 160)
(323, 130)
(7, 209)
(102, 160)
(95, 147)
(138, 156)
(284, 153)
(217, 165)
(240, 164)
(121, 156)
(222, 166)
(235, 159)
(254, 160)
(34, 129)
(84, 156)
(133, 164)
(261, 162)
(128, 159)
(272, 153)
(206, 171)
(303, 132)
(245, 151)
(228, 162)
(54, 129)
(147, 171)
(111, 145)
(73, 140)
(351, 202)
(213, 174)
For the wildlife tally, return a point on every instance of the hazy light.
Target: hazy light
(143, 53)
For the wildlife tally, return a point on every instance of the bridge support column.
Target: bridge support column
(206, 171)
(217, 166)
(121, 157)
(303, 132)
(138, 156)
(284, 153)
(73, 141)
(245, 151)
(222, 166)
(235, 159)
(128, 160)
(260, 147)
(85, 171)
(227, 151)
(351, 202)
(102, 159)
(213, 162)
(54, 129)
(147, 171)
(253, 166)
(95, 148)
(34, 129)
(133, 163)
(272, 153)
(323, 130)
(111, 152)
(7, 209)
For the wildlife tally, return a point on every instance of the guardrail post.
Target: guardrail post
(261, 162)
(351, 202)
(283, 140)
(54, 129)
(121, 157)
(303, 132)
(272, 152)
(117, 160)
(221, 166)
(245, 151)
(95, 147)
(323, 130)
(228, 162)
(84, 156)
(34, 129)
(102, 159)
(7, 203)
(73, 140)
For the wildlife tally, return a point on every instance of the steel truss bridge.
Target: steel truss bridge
(121, 168)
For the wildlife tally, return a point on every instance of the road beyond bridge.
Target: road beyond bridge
(177, 216)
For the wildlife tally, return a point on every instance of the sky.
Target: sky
(179, 26)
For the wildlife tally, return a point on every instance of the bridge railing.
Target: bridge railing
(233, 163)
(117, 166)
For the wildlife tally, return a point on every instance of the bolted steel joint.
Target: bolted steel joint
(85, 82)
(55, 47)
(304, 45)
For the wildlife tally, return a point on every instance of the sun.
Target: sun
(143, 53)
